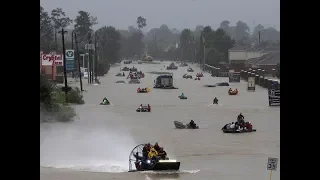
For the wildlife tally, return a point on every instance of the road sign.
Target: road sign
(70, 60)
(272, 164)
(89, 46)
(251, 84)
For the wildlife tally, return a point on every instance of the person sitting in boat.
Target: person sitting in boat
(236, 91)
(240, 116)
(146, 150)
(149, 109)
(123, 74)
(105, 101)
(182, 95)
(138, 89)
(230, 90)
(152, 153)
(156, 147)
(140, 107)
(192, 124)
(162, 153)
(215, 100)
(232, 125)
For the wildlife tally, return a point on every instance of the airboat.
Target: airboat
(138, 163)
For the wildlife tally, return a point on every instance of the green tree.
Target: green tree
(186, 44)
(141, 22)
(242, 32)
(60, 19)
(108, 39)
(83, 24)
(46, 33)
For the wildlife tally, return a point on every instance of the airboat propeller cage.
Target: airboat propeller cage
(158, 166)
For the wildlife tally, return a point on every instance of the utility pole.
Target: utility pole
(204, 52)
(95, 58)
(89, 58)
(72, 35)
(78, 59)
(64, 65)
(156, 45)
(259, 37)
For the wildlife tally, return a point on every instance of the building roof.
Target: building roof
(240, 47)
(265, 47)
(272, 58)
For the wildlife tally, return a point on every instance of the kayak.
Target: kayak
(238, 131)
(180, 125)
(105, 104)
(182, 97)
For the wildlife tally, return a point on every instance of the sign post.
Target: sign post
(272, 165)
(70, 60)
(251, 84)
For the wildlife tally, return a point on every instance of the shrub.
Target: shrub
(74, 96)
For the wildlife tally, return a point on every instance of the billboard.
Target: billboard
(49, 59)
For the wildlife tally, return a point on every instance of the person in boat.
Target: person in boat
(215, 100)
(192, 124)
(156, 147)
(146, 150)
(232, 125)
(123, 74)
(240, 118)
(149, 109)
(140, 107)
(182, 95)
(230, 90)
(138, 89)
(236, 91)
(152, 153)
(162, 153)
(105, 101)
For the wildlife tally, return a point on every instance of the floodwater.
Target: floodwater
(97, 145)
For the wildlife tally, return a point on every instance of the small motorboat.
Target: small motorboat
(187, 76)
(120, 82)
(222, 84)
(180, 125)
(125, 69)
(190, 70)
(199, 75)
(233, 92)
(209, 85)
(120, 74)
(144, 108)
(143, 90)
(183, 97)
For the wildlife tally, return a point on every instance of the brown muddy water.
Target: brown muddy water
(97, 144)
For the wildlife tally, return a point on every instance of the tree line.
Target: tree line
(163, 43)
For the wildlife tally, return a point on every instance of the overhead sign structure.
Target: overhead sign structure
(272, 165)
(251, 84)
(234, 77)
(70, 60)
(274, 97)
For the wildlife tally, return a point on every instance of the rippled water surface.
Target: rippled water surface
(98, 143)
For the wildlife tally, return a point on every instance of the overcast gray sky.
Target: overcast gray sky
(175, 13)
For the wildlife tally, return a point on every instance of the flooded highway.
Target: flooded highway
(97, 144)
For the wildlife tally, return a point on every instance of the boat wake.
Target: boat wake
(171, 172)
(94, 167)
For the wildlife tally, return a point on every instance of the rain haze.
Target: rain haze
(175, 13)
